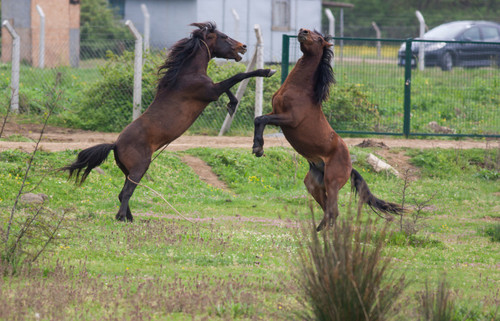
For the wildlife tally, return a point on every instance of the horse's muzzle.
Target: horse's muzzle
(242, 49)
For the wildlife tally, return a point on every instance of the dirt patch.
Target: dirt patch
(204, 171)
(59, 139)
(372, 143)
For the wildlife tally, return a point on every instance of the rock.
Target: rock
(440, 129)
(372, 143)
(31, 198)
(99, 170)
(379, 165)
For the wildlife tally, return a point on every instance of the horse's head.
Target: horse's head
(218, 43)
(312, 42)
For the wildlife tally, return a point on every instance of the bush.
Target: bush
(106, 105)
(349, 109)
(343, 275)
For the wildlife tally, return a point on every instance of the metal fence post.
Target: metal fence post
(407, 98)
(137, 70)
(285, 56)
(14, 81)
(41, 45)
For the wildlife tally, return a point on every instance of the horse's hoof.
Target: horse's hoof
(321, 226)
(231, 108)
(271, 72)
(258, 151)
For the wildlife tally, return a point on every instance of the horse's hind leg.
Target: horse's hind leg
(316, 186)
(337, 171)
(132, 178)
(120, 197)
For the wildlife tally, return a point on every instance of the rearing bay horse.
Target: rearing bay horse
(297, 110)
(182, 94)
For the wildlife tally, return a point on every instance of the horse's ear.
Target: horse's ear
(204, 29)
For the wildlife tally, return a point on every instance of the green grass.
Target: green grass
(237, 260)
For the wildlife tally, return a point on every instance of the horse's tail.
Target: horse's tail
(88, 159)
(359, 186)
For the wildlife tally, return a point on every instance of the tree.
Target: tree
(100, 29)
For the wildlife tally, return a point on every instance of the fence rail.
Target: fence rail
(380, 91)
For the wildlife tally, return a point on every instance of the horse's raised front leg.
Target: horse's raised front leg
(225, 85)
(233, 102)
(260, 123)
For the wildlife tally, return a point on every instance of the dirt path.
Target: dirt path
(59, 139)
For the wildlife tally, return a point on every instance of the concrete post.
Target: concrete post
(259, 81)
(14, 81)
(377, 32)
(147, 26)
(236, 17)
(41, 46)
(421, 45)
(331, 28)
(137, 70)
(243, 85)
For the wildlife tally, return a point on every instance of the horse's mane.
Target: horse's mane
(181, 51)
(324, 74)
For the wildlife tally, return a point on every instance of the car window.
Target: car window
(443, 32)
(490, 34)
(472, 34)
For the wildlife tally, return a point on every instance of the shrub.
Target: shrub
(106, 105)
(343, 275)
(349, 109)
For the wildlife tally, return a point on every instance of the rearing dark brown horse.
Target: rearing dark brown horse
(182, 94)
(297, 110)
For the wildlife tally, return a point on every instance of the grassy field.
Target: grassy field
(238, 259)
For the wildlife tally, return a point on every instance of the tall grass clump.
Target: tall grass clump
(343, 275)
(436, 305)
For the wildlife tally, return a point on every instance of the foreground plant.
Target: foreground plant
(436, 305)
(343, 275)
(25, 237)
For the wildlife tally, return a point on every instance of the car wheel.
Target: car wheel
(446, 61)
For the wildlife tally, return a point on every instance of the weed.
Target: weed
(493, 232)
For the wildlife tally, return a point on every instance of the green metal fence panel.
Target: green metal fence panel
(378, 92)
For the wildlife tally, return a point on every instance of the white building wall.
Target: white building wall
(170, 21)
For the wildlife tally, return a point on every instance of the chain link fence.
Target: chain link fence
(97, 93)
(369, 96)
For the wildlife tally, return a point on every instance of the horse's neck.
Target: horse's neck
(197, 64)
(304, 70)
